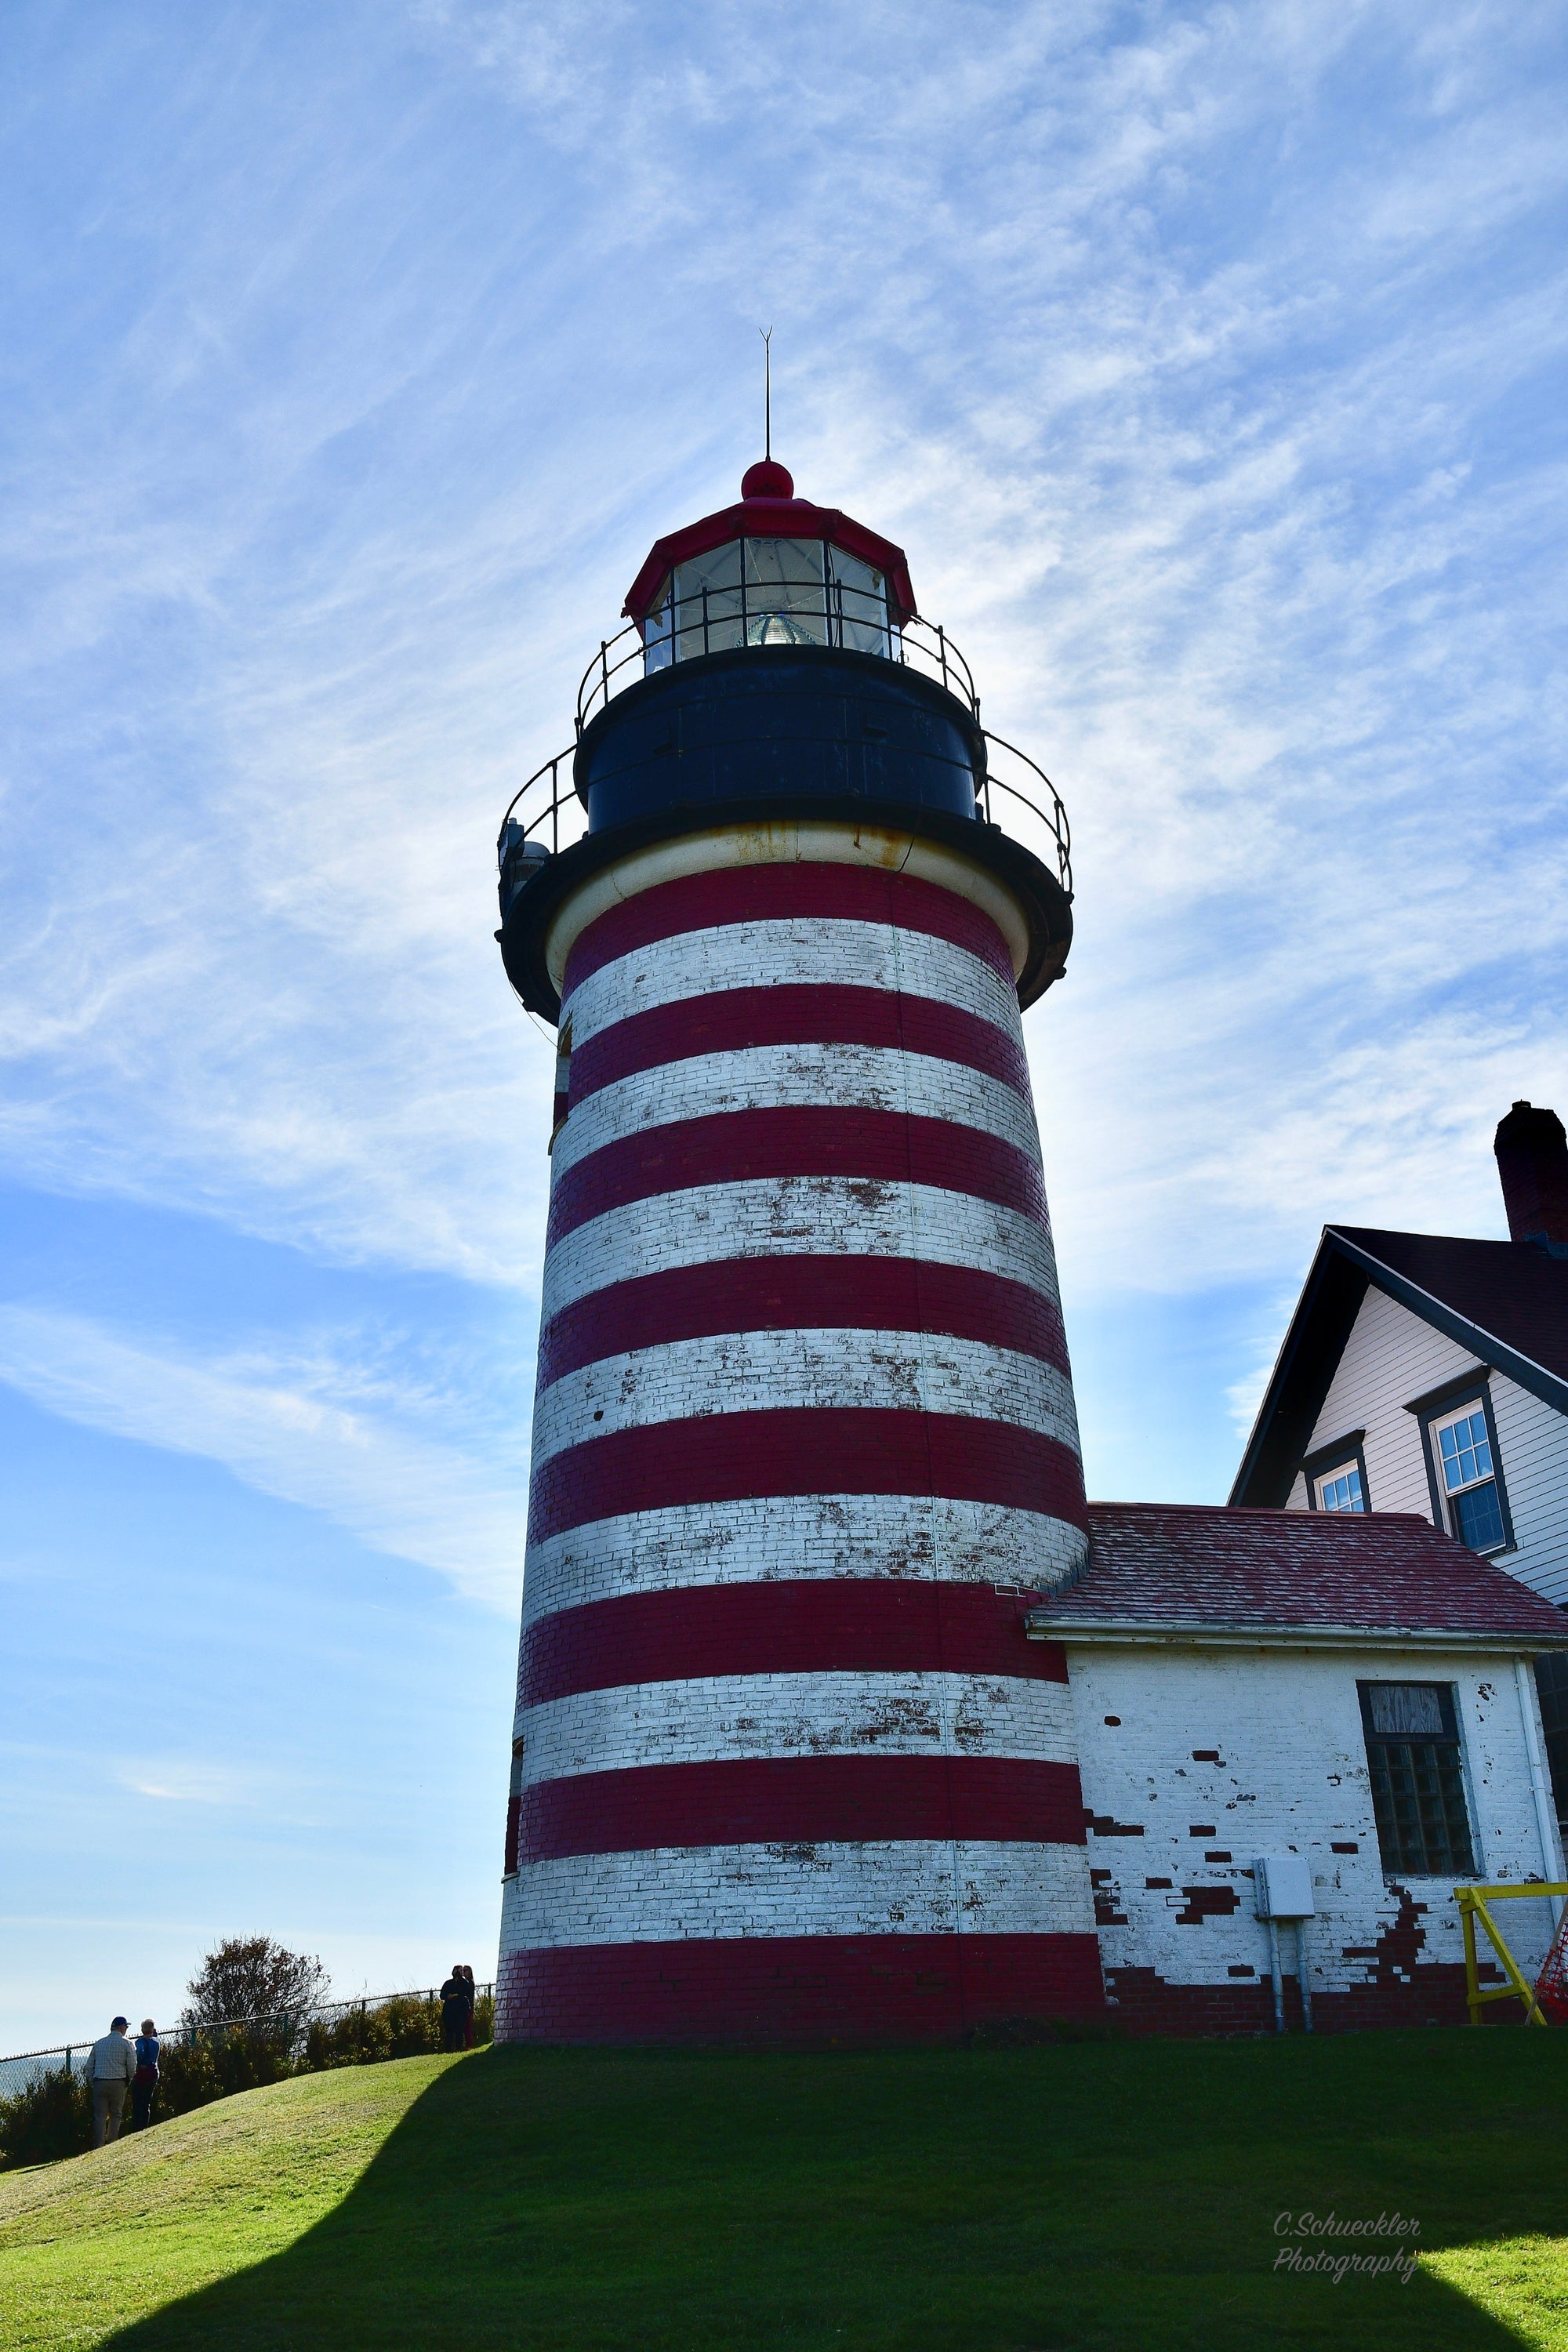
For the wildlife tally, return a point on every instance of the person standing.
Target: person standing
(454, 2002)
(468, 1976)
(111, 2069)
(144, 2081)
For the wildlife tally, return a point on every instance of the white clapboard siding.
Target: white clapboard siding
(1534, 1442)
(1391, 1356)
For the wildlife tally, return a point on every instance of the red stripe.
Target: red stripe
(802, 1800)
(795, 1989)
(727, 1457)
(795, 1626)
(796, 1013)
(800, 1294)
(729, 1147)
(756, 894)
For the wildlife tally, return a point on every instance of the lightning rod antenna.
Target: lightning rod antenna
(767, 336)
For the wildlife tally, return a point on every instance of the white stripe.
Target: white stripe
(787, 1536)
(896, 1887)
(765, 1371)
(717, 1718)
(791, 1216)
(800, 841)
(784, 1078)
(791, 950)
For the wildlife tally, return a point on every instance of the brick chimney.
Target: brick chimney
(1533, 1161)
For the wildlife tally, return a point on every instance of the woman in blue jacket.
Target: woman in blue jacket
(144, 2081)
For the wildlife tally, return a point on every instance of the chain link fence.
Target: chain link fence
(289, 2034)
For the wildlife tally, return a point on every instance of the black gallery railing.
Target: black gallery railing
(544, 815)
(804, 610)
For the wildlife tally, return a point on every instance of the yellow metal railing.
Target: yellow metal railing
(1474, 1901)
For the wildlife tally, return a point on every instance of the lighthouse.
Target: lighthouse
(785, 1767)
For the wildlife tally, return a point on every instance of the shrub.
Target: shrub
(216, 2065)
(51, 2118)
(403, 2027)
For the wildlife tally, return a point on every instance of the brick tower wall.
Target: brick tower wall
(789, 1768)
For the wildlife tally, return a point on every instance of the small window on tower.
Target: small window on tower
(562, 1080)
(1417, 1779)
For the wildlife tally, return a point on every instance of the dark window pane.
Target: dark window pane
(1478, 1518)
(1418, 1797)
(1551, 1686)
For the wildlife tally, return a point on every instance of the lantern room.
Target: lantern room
(774, 670)
(773, 571)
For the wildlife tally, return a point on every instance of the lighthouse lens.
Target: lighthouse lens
(786, 596)
(708, 605)
(768, 592)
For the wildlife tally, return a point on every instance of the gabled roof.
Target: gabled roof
(1172, 1571)
(1512, 1293)
(1506, 1302)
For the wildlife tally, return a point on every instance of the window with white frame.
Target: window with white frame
(1340, 1489)
(1336, 1474)
(1463, 1457)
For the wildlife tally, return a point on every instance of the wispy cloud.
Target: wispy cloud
(325, 1433)
(177, 1781)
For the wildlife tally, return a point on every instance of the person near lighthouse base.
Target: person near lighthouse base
(456, 2008)
(110, 2071)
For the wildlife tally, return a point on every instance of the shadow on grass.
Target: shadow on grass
(1118, 2198)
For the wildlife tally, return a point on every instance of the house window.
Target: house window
(1336, 1475)
(1341, 1490)
(1467, 1467)
(1463, 1470)
(1417, 1779)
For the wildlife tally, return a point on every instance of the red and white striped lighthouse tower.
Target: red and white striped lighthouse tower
(785, 1766)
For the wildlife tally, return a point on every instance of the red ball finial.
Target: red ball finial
(767, 479)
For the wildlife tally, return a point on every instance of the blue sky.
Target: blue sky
(1207, 362)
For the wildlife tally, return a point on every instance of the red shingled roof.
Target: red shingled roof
(1176, 1564)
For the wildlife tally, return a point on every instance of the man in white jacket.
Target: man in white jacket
(111, 2071)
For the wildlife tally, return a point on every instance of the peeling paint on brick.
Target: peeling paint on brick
(1380, 1950)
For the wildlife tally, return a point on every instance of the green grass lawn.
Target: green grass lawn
(1097, 2195)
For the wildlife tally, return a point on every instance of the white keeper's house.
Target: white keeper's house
(1427, 1373)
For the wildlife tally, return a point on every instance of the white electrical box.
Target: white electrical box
(1283, 1886)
